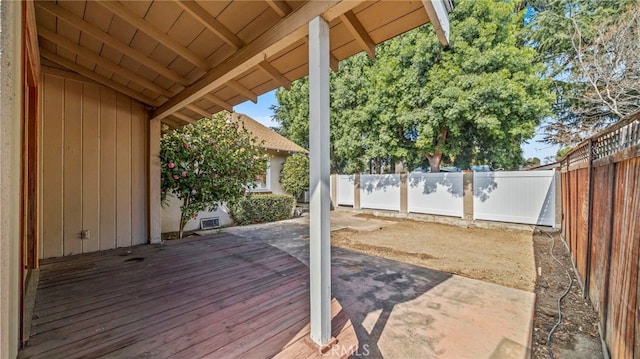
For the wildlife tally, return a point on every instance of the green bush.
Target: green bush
(295, 174)
(262, 208)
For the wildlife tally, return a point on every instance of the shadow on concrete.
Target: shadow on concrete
(362, 283)
(400, 310)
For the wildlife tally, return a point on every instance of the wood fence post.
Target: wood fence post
(587, 274)
(557, 177)
(334, 189)
(467, 195)
(356, 191)
(404, 208)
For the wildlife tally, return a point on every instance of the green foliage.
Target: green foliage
(295, 174)
(562, 152)
(262, 208)
(588, 48)
(209, 162)
(475, 101)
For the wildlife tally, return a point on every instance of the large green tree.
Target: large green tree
(212, 161)
(589, 48)
(474, 101)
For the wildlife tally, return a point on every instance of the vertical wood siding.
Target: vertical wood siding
(94, 164)
(601, 208)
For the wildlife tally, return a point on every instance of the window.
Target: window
(263, 183)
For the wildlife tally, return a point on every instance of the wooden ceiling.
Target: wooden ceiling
(188, 59)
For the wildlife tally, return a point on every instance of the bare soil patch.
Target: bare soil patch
(496, 256)
(504, 257)
(577, 335)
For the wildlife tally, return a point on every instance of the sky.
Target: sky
(262, 113)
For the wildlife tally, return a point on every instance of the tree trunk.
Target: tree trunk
(183, 219)
(436, 157)
(434, 161)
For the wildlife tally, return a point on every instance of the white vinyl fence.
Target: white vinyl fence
(520, 197)
(435, 193)
(380, 192)
(526, 197)
(345, 191)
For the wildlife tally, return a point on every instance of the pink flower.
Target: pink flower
(171, 165)
(186, 145)
(175, 177)
(184, 173)
(215, 175)
(193, 216)
(216, 147)
(231, 171)
(246, 191)
(258, 177)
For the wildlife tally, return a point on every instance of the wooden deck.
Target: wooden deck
(222, 296)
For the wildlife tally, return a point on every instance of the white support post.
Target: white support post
(155, 228)
(320, 239)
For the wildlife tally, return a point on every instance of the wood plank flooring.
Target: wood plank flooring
(218, 297)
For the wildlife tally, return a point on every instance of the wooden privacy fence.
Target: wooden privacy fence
(525, 197)
(601, 226)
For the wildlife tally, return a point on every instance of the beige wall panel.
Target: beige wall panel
(123, 171)
(72, 162)
(107, 169)
(94, 167)
(52, 166)
(91, 167)
(139, 124)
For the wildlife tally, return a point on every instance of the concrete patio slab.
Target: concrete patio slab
(405, 311)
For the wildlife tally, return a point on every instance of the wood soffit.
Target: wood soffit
(188, 59)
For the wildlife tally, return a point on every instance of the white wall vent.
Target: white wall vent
(210, 223)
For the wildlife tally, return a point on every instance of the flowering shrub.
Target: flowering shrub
(211, 161)
(295, 174)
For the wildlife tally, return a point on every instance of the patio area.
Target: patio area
(217, 296)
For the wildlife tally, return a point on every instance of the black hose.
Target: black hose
(559, 299)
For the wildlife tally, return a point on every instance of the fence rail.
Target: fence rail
(601, 208)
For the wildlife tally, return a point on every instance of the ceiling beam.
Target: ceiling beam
(183, 117)
(439, 18)
(78, 22)
(275, 74)
(358, 31)
(211, 23)
(92, 56)
(242, 90)
(289, 30)
(171, 123)
(333, 62)
(97, 78)
(218, 101)
(341, 8)
(198, 110)
(280, 7)
(146, 27)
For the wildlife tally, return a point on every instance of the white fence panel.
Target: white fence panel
(435, 193)
(345, 190)
(380, 192)
(526, 197)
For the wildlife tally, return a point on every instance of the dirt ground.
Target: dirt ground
(577, 335)
(501, 257)
(509, 258)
